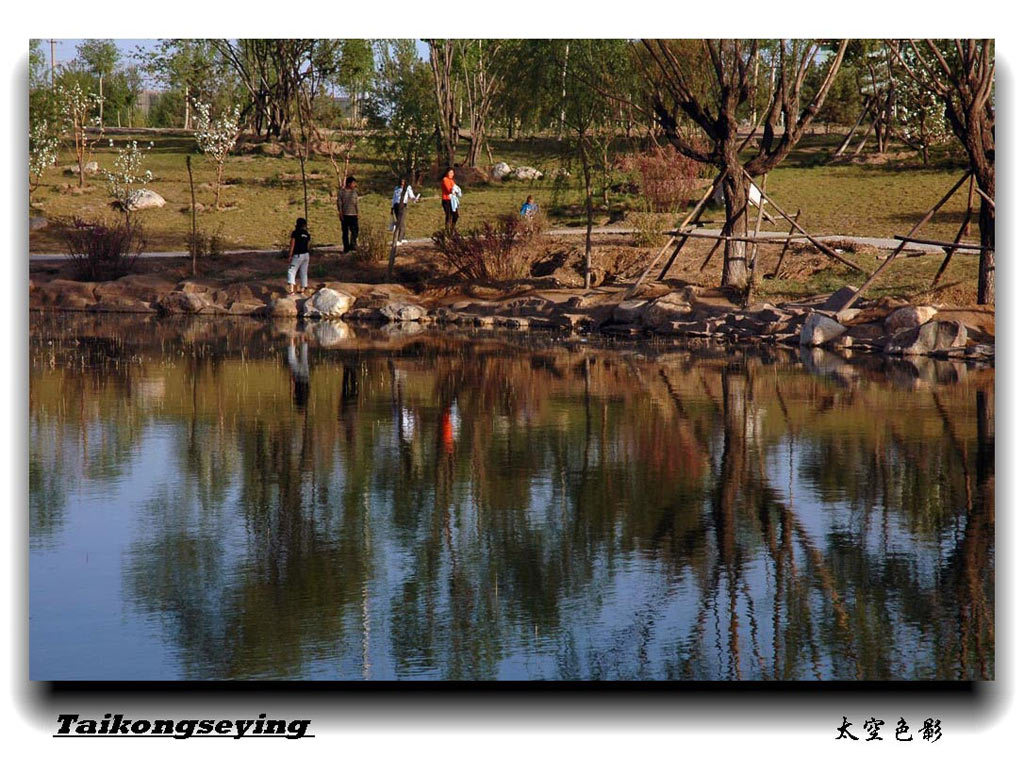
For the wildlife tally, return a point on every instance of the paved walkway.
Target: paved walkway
(881, 243)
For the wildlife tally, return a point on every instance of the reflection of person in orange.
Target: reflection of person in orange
(447, 434)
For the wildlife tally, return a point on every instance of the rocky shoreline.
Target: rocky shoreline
(887, 326)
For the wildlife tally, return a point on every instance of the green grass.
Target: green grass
(265, 194)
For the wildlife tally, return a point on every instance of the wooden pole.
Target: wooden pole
(699, 208)
(892, 256)
(823, 248)
(752, 265)
(849, 137)
(693, 218)
(193, 245)
(782, 255)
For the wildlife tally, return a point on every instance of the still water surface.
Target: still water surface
(226, 500)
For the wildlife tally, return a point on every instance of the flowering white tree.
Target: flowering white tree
(77, 108)
(919, 115)
(126, 182)
(42, 152)
(216, 137)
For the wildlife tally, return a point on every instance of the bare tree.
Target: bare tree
(961, 73)
(442, 64)
(712, 84)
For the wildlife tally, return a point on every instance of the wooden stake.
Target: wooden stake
(823, 248)
(960, 233)
(193, 242)
(697, 209)
(892, 256)
(782, 255)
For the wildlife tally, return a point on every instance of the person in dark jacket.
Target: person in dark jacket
(348, 212)
(298, 255)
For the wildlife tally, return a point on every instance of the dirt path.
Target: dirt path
(880, 243)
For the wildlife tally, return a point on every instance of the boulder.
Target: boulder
(819, 329)
(629, 311)
(36, 223)
(182, 302)
(402, 312)
(667, 309)
(526, 174)
(91, 167)
(909, 317)
(147, 198)
(328, 303)
(271, 148)
(848, 315)
(500, 170)
(933, 337)
(283, 307)
(838, 299)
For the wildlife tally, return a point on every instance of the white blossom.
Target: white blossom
(126, 182)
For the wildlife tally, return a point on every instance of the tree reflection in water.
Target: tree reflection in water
(444, 508)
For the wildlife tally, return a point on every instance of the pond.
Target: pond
(234, 499)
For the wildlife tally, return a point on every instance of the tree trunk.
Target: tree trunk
(987, 257)
(588, 184)
(220, 173)
(734, 186)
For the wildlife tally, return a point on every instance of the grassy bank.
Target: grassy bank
(264, 194)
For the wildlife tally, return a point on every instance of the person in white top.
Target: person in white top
(402, 196)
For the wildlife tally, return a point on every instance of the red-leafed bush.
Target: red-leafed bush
(668, 179)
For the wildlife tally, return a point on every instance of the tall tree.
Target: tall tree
(711, 83)
(442, 65)
(961, 74)
(100, 57)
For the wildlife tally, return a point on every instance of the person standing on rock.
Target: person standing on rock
(298, 255)
(450, 189)
(403, 195)
(348, 211)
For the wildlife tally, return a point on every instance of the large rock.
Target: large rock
(670, 308)
(35, 223)
(147, 198)
(91, 167)
(819, 329)
(283, 307)
(838, 299)
(909, 317)
(402, 312)
(500, 170)
(933, 337)
(527, 173)
(328, 303)
(629, 312)
(182, 302)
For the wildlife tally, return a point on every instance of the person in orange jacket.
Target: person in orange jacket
(451, 215)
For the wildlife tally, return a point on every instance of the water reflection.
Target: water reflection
(248, 503)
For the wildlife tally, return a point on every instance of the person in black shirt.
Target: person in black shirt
(298, 255)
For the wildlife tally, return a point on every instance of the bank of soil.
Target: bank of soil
(422, 292)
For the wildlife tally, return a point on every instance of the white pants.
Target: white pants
(299, 263)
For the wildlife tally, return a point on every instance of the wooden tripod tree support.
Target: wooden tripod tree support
(903, 243)
(782, 255)
(820, 245)
(693, 215)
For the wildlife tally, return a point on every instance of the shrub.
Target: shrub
(374, 242)
(646, 229)
(204, 244)
(102, 250)
(668, 179)
(495, 251)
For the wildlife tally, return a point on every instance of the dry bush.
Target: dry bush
(101, 250)
(374, 242)
(496, 251)
(646, 229)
